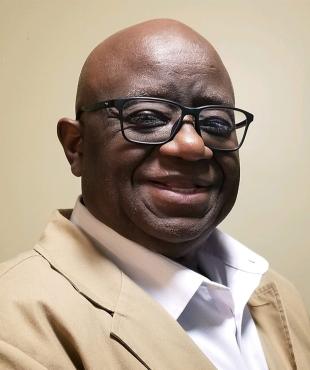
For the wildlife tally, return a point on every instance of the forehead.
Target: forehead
(184, 70)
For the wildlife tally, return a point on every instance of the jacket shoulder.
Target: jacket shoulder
(286, 303)
(39, 312)
(285, 293)
(27, 277)
(13, 263)
(287, 290)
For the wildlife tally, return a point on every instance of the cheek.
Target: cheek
(230, 167)
(101, 152)
(109, 163)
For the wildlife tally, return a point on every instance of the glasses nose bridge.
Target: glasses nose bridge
(193, 112)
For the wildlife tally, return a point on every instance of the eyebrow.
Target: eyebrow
(209, 99)
(214, 99)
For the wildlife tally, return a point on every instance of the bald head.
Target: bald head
(162, 46)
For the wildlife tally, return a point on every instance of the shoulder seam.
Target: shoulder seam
(18, 263)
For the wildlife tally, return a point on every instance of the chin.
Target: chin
(177, 248)
(175, 237)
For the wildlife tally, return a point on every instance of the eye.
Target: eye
(216, 126)
(146, 119)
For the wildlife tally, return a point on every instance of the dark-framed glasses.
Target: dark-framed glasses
(155, 121)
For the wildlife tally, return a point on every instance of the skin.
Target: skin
(168, 198)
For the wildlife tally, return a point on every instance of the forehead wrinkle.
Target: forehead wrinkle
(195, 90)
(166, 87)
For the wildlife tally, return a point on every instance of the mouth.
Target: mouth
(181, 187)
(178, 196)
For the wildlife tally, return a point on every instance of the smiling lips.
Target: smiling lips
(177, 191)
(180, 186)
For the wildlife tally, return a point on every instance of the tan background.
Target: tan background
(266, 48)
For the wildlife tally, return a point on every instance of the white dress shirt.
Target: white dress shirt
(211, 310)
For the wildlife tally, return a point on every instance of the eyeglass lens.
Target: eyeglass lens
(152, 122)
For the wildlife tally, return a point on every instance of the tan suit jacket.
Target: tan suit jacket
(65, 306)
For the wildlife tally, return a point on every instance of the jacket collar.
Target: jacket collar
(140, 324)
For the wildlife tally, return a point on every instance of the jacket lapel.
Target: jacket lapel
(71, 253)
(269, 316)
(152, 334)
(139, 323)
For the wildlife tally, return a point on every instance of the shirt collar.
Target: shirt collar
(169, 283)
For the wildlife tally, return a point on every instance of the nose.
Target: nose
(187, 144)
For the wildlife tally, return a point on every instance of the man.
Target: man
(138, 276)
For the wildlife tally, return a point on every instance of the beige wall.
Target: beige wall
(266, 47)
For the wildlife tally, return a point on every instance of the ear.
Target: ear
(70, 135)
